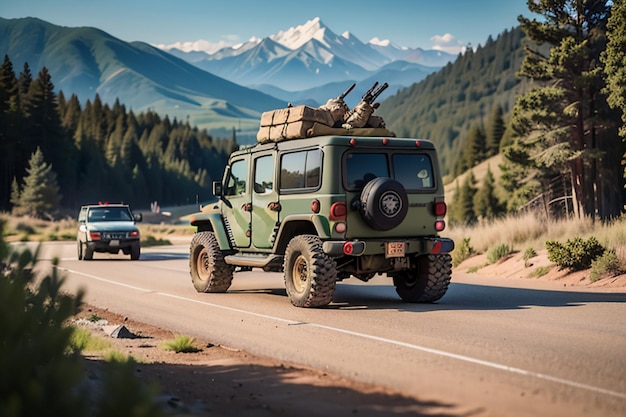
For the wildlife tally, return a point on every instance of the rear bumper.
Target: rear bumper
(422, 246)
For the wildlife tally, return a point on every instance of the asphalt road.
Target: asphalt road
(490, 347)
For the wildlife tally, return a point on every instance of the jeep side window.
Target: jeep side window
(236, 183)
(264, 174)
(361, 168)
(414, 172)
(301, 170)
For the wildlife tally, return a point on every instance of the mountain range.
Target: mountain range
(305, 61)
(231, 88)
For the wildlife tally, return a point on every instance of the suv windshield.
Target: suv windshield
(413, 171)
(109, 214)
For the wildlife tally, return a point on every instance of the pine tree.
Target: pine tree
(614, 59)
(40, 192)
(462, 206)
(10, 122)
(495, 131)
(486, 203)
(473, 150)
(562, 125)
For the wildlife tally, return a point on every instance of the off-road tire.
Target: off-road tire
(135, 252)
(383, 203)
(426, 283)
(80, 250)
(209, 271)
(310, 274)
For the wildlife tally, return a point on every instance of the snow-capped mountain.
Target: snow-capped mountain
(308, 56)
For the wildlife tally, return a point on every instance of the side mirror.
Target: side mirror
(217, 188)
(138, 217)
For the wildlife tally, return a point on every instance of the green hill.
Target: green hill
(444, 105)
(86, 61)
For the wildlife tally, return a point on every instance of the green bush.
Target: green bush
(182, 344)
(529, 253)
(539, 271)
(576, 254)
(41, 372)
(462, 252)
(606, 265)
(498, 252)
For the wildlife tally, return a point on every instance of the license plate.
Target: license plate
(394, 249)
(114, 243)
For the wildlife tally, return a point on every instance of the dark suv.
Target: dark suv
(108, 228)
(323, 209)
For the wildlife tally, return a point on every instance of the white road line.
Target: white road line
(438, 352)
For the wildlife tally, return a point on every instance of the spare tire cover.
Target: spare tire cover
(384, 203)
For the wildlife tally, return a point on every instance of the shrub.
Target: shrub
(461, 253)
(529, 253)
(606, 265)
(539, 271)
(576, 254)
(498, 252)
(41, 372)
(182, 344)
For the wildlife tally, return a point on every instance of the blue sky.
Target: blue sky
(413, 23)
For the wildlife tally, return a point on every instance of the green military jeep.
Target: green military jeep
(323, 209)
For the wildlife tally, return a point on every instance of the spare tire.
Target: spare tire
(384, 203)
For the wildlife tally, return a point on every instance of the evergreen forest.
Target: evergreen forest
(93, 152)
(549, 96)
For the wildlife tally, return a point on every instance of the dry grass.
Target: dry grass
(22, 229)
(530, 231)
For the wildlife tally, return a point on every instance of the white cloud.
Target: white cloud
(202, 45)
(447, 43)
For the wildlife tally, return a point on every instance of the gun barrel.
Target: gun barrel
(379, 91)
(345, 93)
(368, 93)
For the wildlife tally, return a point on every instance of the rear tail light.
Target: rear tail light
(440, 225)
(134, 233)
(440, 209)
(338, 211)
(94, 235)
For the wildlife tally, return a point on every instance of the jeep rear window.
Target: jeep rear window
(301, 170)
(413, 171)
(361, 168)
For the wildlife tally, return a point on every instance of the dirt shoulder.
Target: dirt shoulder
(539, 268)
(218, 381)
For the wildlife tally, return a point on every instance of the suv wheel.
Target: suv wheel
(428, 282)
(384, 203)
(88, 253)
(80, 249)
(310, 274)
(209, 271)
(135, 252)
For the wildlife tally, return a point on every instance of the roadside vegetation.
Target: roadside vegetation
(571, 244)
(182, 344)
(42, 371)
(32, 229)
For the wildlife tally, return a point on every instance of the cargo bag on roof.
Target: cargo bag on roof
(291, 123)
